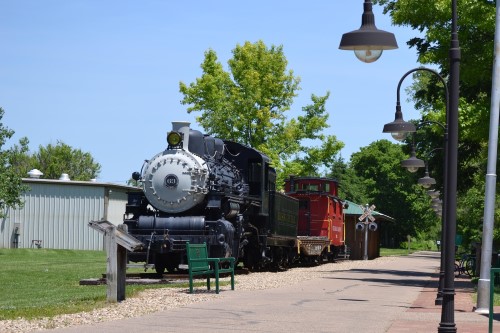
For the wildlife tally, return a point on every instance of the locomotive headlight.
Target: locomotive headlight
(174, 138)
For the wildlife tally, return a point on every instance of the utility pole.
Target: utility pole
(483, 286)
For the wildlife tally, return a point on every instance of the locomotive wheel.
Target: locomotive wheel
(160, 268)
(172, 265)
(161, 263)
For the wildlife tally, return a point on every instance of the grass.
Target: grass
(385, 252)
(43, 282)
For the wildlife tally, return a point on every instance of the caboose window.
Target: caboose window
(327, 187)
(311, 187)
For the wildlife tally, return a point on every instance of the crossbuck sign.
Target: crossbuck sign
(367, 213)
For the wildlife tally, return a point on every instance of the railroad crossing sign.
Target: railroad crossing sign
(367, 213)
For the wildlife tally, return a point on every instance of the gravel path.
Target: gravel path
(154, 300)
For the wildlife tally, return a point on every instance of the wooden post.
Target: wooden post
(121, 267)
(111, 265)
(116, 267)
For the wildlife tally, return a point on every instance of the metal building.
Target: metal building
(56, 214)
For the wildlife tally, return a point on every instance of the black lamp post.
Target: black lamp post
(368, 42)
(412, 164)
(352, 42)
(447, 323)
(399, 126)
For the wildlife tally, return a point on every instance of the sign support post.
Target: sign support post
(367, 215)
(116, 242)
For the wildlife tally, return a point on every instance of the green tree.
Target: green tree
(11, 186)
(53, 160)
(431, 19)
(394, 190)
(248, 104)
(351, 185)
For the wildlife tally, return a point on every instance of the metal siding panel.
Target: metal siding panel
(116, 207)
(58, 215)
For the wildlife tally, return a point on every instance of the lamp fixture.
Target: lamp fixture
(413, 163)
(427, 181)
(368, 42)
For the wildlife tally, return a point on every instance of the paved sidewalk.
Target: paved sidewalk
(394, 297)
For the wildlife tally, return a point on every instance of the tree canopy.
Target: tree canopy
(11, 186)
(476, 29)
(250, 104)
(54, 160)
(394, 190)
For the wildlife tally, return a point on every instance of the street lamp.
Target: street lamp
(368, 42)
(426, 181)
(433, 194)
(413, 163)
(447, 323)
(402, 128)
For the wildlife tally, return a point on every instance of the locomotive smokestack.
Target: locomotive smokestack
(182, 127)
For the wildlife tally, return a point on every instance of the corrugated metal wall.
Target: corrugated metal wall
(56, 215)
(117, 204)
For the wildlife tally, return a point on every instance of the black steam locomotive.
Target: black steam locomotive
(203, 189)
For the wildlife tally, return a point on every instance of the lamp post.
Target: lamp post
(399, 126)
(447, 323)
(399, 129)
(412, 164)
(368, 42)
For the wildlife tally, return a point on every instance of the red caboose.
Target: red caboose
(321, 218)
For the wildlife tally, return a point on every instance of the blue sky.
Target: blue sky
(103, 76)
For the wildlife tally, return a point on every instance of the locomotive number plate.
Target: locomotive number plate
(171, 181)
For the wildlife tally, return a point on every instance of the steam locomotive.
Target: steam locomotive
(202, 189)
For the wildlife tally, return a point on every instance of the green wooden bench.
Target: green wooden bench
(200, 264)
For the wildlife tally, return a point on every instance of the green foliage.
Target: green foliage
(387, 252)
(419, 243)
(11, 185)
(476, 29)
(351, 185)
(62, 158)
(249, 104)
(394, 191)
(431, 18)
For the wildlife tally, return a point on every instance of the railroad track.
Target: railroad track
(152, 278)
